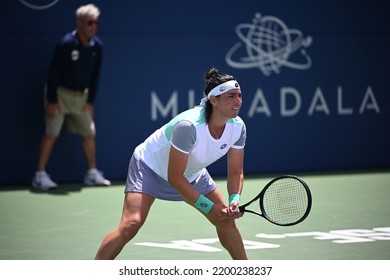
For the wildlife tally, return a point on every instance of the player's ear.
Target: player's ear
(213, 101)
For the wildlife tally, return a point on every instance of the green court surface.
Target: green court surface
(350, 220)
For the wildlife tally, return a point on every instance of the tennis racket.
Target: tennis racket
(284, 201)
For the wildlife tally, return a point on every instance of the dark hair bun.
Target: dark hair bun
(212, 73)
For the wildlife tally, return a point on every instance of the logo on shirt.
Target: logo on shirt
(75, 55)
(223, 146)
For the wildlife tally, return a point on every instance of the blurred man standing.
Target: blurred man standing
(70, 93)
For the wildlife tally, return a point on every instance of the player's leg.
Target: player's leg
(227, 231)
(135, 210)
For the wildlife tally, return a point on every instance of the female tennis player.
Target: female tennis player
(171, 165)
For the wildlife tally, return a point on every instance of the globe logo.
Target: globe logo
(39, 4)
(268, 45)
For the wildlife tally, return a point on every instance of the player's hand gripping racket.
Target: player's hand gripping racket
(284, 201)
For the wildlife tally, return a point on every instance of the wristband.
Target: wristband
(204, 204)
(235, 197)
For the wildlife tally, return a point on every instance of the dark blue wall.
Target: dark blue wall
(336, 110)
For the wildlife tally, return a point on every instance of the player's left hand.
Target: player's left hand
(233, 212)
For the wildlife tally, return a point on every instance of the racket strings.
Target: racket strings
(285, 201)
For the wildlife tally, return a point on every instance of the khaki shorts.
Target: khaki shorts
(78, 121)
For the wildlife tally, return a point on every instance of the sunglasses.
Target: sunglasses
(93, 22)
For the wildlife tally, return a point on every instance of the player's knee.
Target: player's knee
(130, 228)
(225, 224)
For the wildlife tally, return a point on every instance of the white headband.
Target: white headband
(222, 88)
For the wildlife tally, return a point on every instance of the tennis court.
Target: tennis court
(350, 220)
